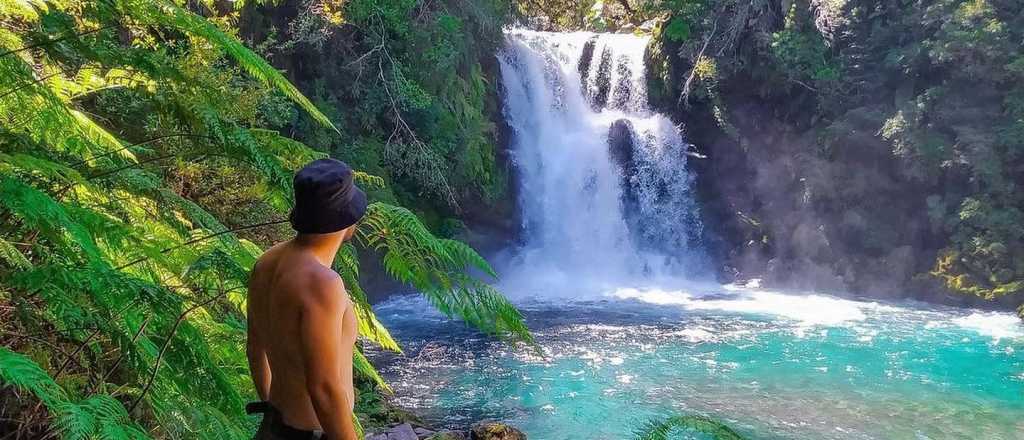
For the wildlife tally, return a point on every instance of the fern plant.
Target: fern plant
(122, 274)
(662, 429)
(97, 416)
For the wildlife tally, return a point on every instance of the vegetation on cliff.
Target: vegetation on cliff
(869, 145)
(144, 165)
(406, 84)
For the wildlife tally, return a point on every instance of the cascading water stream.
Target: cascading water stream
(605, 191)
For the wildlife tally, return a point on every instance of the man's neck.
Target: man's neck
(323, 246)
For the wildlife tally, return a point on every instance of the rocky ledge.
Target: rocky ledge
(483, 430)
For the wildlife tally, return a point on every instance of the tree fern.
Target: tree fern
(169, 14)
(12, 256)
(23, 373)
(436, 268)
(361, 364)
(347, 266)
(48, 216)
(661, 429)
(106, 250)
(98, 416)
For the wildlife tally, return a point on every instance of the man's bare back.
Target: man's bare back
(301, 324)
(286, 284)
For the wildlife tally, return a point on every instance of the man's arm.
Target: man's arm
(256, 351)
(321, 328)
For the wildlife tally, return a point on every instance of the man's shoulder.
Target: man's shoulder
(267, 260)
(323, 286)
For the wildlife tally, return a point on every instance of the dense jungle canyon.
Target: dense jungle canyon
(799, 218)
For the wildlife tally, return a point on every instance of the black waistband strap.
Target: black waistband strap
(275, 422)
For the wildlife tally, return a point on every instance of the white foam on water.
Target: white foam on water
(997, 325)
(807, 310)
(693, 334)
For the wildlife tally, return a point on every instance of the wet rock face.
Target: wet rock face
(602, 81)
(490, 430)
(622, 151)
(447, 435)
(586, 57)
(622, 95)
(482, 430)
(620, 146)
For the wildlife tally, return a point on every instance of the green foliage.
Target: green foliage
(678, 29)
(926, 98)
(968, 122)
(136, 191)
(169, 14)
(564, 15)
(662, 429)
(437, 268)
(97, 416)
(418, 113)
(683, 15)
(801, 52)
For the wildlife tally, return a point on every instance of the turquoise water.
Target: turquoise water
(773, 366)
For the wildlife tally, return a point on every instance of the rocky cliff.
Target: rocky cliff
(862, 146)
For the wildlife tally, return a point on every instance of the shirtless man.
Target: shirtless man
(302, 327)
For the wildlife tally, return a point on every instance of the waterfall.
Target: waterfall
(605, 191)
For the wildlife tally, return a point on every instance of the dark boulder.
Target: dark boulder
(586, 57)
(491, 430)
(448, 435)
(602, 81)
(621, 148)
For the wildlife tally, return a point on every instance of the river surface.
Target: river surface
(774, 366)
(612, 243)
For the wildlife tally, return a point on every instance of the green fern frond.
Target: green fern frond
(362, 365)
(98, 416)
(464, 255)
(369, 180)
(436, 268)
(12, 256)
(20, 371)
(217, 268)
(347, 266)
(663, 428)
(169, 14)
(32, 165)
(50, 217)
(53, 122)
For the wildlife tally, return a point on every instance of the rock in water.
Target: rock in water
(448, 435)
(588, 54)
(622, 150)
(491, 430)
(423, 433)
(620, 147)
(402, 432)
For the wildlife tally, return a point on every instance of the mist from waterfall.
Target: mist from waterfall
(589, 217)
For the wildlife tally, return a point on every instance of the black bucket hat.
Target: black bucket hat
(326, 198)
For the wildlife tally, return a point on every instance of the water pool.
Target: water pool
(772, 365)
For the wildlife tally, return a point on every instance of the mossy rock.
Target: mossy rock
(491, 430)
(447, 435)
